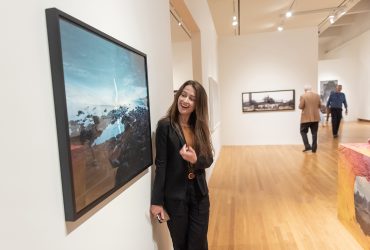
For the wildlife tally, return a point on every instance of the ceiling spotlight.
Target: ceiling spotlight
(280, 28)
(342, 10)
(342, 13)
(288, 14)
(180, 23)
(235, 21)
(331, 19)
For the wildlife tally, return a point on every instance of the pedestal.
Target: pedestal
(354, 190)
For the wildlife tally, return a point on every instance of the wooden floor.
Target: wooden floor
(277, 197)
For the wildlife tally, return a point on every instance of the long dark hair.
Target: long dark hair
(198, 119)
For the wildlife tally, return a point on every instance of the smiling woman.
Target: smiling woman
(186, 103)
(184, 150)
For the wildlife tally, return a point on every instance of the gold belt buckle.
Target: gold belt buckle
(191, 176)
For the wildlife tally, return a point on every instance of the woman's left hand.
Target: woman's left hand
(188, 154)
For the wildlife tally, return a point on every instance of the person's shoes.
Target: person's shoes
(313, 150)
(335, 136)
(306, 149)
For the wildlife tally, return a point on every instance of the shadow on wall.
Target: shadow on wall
(161, 235)
(72, 225)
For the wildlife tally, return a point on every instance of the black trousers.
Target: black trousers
(336, 116)
(188, 224)
(313, 126)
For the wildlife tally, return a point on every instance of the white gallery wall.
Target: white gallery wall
(182, 63)
(265, 62)
(31, 211)
(350, 65)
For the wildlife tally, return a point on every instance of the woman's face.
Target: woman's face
(186, 101)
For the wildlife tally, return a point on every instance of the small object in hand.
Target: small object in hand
(166, 217)
(159, 218)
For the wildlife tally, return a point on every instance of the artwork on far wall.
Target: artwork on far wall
(214, 104)
(102, 112)
(277, 100)
(325, 88)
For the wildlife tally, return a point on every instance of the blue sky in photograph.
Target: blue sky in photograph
(98, 71)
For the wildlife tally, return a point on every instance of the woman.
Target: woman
(184, 150)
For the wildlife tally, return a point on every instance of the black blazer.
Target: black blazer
(171, 173)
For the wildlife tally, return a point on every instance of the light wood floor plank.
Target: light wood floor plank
(277, 197)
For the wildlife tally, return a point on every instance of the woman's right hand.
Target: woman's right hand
(188, 154)
(155, 210)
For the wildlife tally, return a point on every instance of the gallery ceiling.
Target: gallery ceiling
(349, 18)
(178, 33)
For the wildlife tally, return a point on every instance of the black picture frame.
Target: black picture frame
(276, 100)
(101, 100)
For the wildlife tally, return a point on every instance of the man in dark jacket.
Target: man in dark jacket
(335, 102)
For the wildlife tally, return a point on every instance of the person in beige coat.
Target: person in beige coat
(310, 104)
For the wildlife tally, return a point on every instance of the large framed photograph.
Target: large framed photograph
(102, 111)
(277, 100)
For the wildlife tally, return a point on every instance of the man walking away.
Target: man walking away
(310, 104)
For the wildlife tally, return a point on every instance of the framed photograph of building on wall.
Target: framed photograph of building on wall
(102, 111)
(277, 100)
